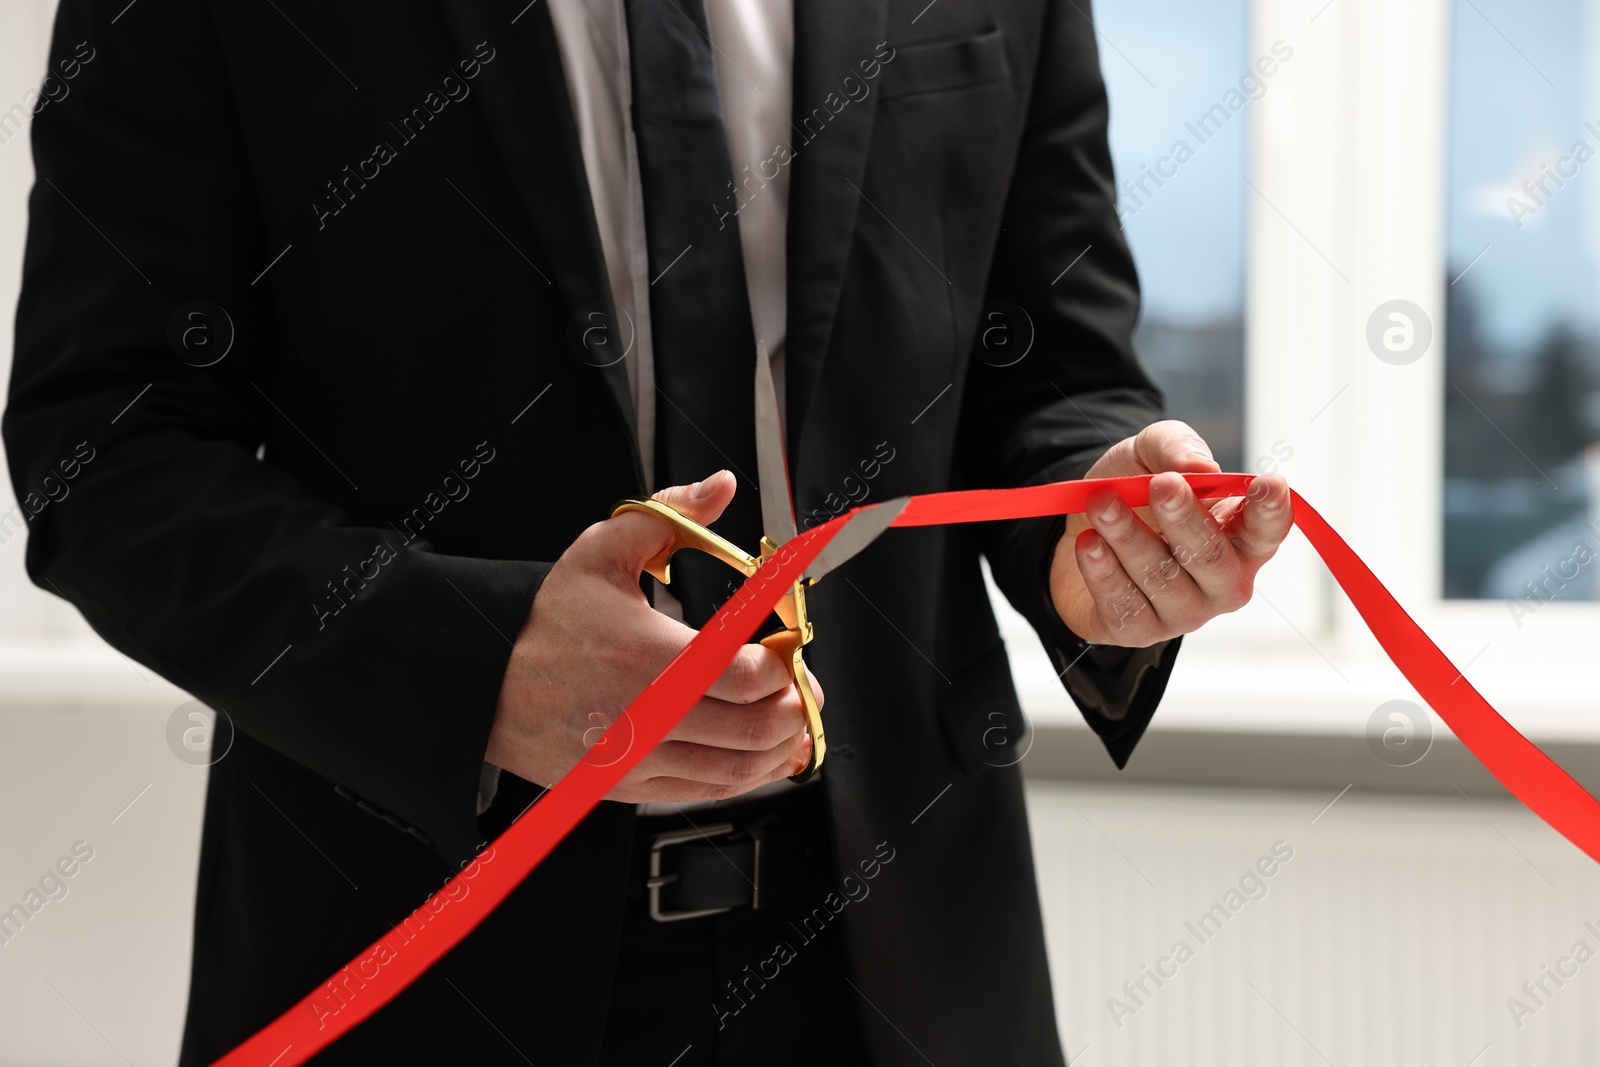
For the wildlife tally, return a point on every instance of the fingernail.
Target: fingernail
(1098, 549)
(1171, 499)
(1112, 511)
(702, 489)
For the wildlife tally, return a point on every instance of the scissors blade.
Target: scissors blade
(860, 530)
(777, 500)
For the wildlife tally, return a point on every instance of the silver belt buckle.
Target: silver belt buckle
(678, 837)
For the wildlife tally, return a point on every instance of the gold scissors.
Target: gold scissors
(777, 520)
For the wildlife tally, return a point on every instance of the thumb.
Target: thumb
(1171, 445)
(1168, 445)
(703, 501)
(627, 542)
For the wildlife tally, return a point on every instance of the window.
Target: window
(1522, 372)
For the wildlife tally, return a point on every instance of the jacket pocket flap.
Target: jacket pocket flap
(937, 66)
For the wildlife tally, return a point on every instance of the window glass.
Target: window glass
(1181, 88)
(1522, 377)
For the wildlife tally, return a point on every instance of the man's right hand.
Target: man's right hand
(592, 642)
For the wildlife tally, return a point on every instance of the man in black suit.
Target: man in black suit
(326, 294)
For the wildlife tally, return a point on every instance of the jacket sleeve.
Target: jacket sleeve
(148, 506)
(1063, 285)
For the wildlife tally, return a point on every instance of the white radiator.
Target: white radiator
(1402, 930)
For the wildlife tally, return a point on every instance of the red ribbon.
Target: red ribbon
(380, 972)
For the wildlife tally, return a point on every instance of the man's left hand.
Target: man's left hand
(1136, 576)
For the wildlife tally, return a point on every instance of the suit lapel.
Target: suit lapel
(523, 97)
(832, 38)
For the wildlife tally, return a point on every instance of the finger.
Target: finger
(1262, 520)
(1146, 559)
(1197, 543)
(644, 642)
(755, 673)
(1171, 445)
(752, 727)
(651, 641)
(662, 790)
(1124, 613)
(679, 790)
(727, 772)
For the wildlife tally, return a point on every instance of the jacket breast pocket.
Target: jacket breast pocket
(943, 66)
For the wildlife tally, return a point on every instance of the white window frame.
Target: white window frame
(1353, 155)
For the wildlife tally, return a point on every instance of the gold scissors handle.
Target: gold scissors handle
(789, 643)
(686, 533)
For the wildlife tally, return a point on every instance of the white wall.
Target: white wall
(24, 36)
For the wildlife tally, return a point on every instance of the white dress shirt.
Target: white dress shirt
(754, 45)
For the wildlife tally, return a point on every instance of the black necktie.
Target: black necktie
(703, 341)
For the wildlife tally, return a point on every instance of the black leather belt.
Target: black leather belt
(709, 861)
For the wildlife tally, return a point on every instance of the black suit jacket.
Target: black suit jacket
(333, 532)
